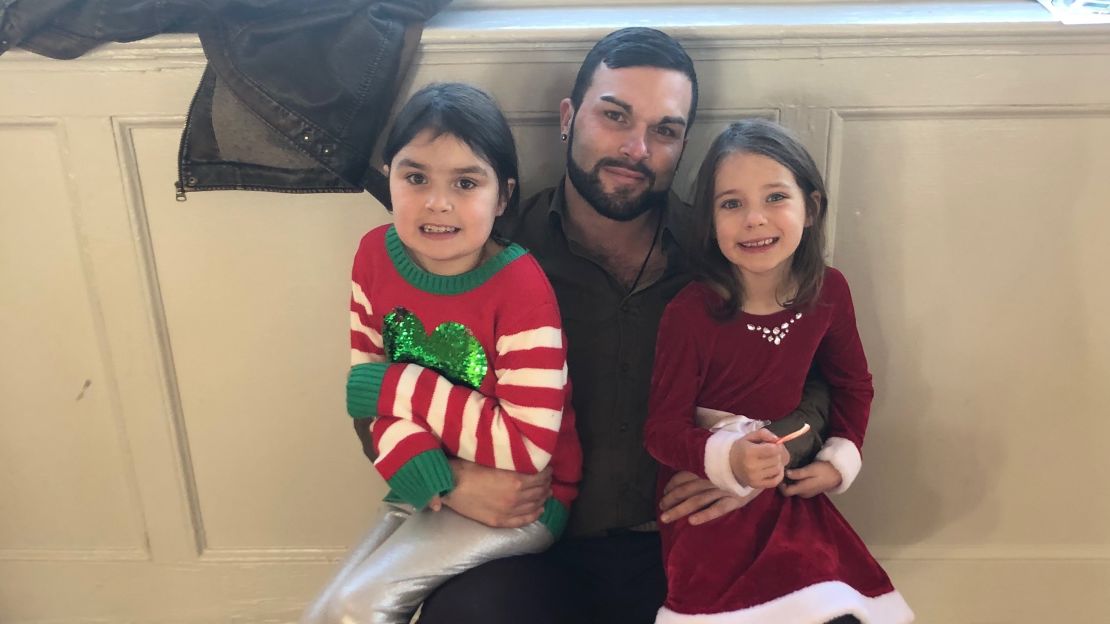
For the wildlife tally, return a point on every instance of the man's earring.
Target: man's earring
(563, 137)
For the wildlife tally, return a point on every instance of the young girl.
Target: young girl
(457, 350)
(740, 341)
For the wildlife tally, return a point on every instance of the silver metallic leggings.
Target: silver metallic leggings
(408, 554)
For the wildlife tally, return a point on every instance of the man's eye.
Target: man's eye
(416, 178)
(615, 115)
(667, 132)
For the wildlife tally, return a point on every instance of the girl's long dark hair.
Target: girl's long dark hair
(807, 267)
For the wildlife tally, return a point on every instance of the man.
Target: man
(608, 239)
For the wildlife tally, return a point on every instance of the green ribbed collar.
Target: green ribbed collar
(446, 284)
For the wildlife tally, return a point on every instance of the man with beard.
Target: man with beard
(608, 238)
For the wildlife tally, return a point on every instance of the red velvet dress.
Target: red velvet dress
(778, 559)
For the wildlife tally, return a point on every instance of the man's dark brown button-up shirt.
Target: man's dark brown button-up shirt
(611, 347)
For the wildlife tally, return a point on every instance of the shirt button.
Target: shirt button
(624, 427)
(624, 307)
(625, 367)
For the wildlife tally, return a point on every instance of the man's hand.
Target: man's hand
(687, 495)
(757, 462)
(497, 498)
(816, 478)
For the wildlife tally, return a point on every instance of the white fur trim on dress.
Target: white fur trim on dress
(845, 457)
(717, 466)
(815, 604)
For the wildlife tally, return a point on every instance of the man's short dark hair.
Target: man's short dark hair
(636, 47)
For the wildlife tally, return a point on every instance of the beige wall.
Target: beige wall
(175, 446)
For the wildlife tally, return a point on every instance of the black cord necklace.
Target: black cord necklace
(643, 265)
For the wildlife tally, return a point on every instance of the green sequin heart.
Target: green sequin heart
(451, 349)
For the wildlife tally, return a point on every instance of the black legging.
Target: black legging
(606, 580)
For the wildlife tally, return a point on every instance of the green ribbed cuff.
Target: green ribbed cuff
(364, 382)
(422, 477)
(554, 517)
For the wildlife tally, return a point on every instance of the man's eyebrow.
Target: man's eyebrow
(669, 119)
(619, 102)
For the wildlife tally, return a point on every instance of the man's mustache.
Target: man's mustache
(639, 167)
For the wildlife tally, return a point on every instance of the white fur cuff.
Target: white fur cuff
(717, 465)
(844, 456)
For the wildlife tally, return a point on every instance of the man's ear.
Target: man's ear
(385, 170)
(566, 115)
(503, 202)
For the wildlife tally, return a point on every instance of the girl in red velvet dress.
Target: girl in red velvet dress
(733, 352)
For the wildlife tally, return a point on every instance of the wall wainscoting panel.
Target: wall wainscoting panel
(67, 485)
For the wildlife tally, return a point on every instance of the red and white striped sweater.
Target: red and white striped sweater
(519, 417)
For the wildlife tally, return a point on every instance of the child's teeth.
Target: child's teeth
(438, 228)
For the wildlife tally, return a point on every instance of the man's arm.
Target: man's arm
(814, 411)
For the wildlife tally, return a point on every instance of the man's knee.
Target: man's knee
(529, 588)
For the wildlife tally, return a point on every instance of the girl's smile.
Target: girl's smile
(759, 245)
(759, 215)
(437, 231)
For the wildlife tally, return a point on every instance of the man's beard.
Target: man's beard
(618, 206)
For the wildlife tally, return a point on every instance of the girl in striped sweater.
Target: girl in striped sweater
(457, 350)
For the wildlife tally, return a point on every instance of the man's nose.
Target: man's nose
(635, 146)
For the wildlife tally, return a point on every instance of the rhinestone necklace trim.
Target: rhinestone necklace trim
(775, 335)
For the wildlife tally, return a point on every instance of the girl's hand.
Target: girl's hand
(757, 462)
(816, 478)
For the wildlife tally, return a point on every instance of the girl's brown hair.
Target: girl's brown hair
(807, 267)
